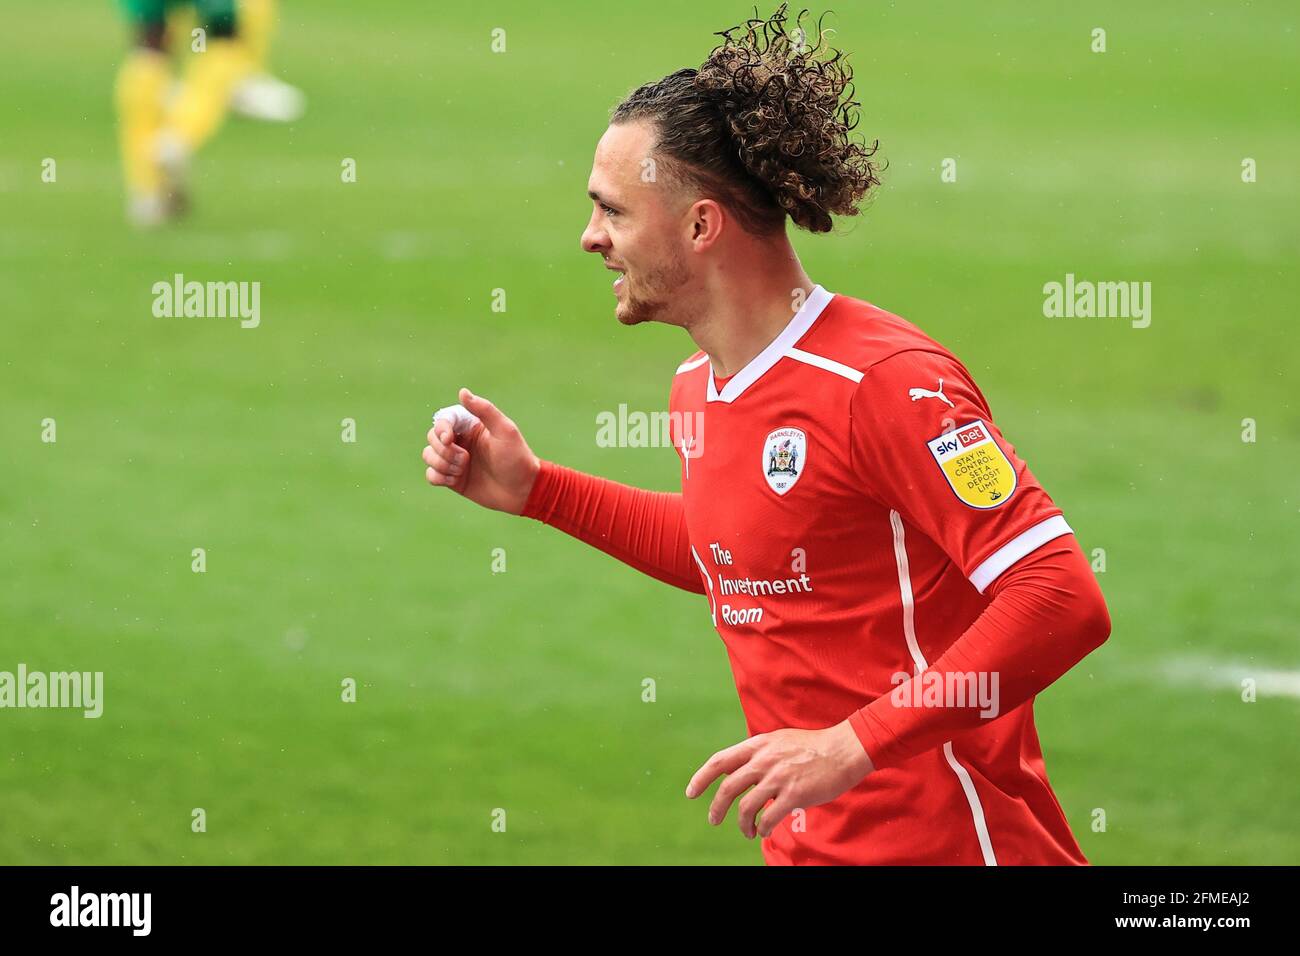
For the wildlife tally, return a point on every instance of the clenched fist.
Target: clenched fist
(481, 456)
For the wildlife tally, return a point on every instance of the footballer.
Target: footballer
(891, 583)
(163, 119)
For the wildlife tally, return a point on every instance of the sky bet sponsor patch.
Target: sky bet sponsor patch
(974, 464)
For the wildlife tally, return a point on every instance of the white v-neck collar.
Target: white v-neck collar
(764, 360)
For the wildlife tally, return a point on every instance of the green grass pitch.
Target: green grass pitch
(522, 690)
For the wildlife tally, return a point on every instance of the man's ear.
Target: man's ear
(706, 220)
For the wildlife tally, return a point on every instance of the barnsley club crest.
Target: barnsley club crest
(785, 453)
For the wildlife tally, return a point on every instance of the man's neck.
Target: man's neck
(747, 305)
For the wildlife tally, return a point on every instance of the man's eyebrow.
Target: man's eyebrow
(596, 196)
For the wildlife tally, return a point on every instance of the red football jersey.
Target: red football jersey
(848, 500)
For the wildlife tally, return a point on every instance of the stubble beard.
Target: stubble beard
(664, 288)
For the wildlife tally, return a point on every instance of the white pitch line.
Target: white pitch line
(1212, 673)
(402, 246)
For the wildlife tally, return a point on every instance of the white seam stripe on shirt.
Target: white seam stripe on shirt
(976, 809)
(830, 365)
(687, 366)
(1015, 549)
(713, 610)
(909, 631)
(905, 589)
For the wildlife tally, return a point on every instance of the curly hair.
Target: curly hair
(764, 125)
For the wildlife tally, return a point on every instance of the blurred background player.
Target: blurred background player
(163, 121)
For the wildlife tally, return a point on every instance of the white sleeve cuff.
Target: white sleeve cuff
(1015, 549)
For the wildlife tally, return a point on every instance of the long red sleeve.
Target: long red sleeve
(644, 529)
(1046, 615)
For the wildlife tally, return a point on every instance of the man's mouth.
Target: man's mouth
(622, 275)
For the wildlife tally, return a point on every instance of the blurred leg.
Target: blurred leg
(256, 25)
(211, 76)
(139, 92)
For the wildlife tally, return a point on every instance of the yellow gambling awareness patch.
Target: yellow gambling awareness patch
(975, 465)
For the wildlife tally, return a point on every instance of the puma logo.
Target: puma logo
(687, 446)
(916, 394)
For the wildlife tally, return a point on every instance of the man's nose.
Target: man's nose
(594, 238)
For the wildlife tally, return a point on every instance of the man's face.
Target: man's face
(638, 226)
